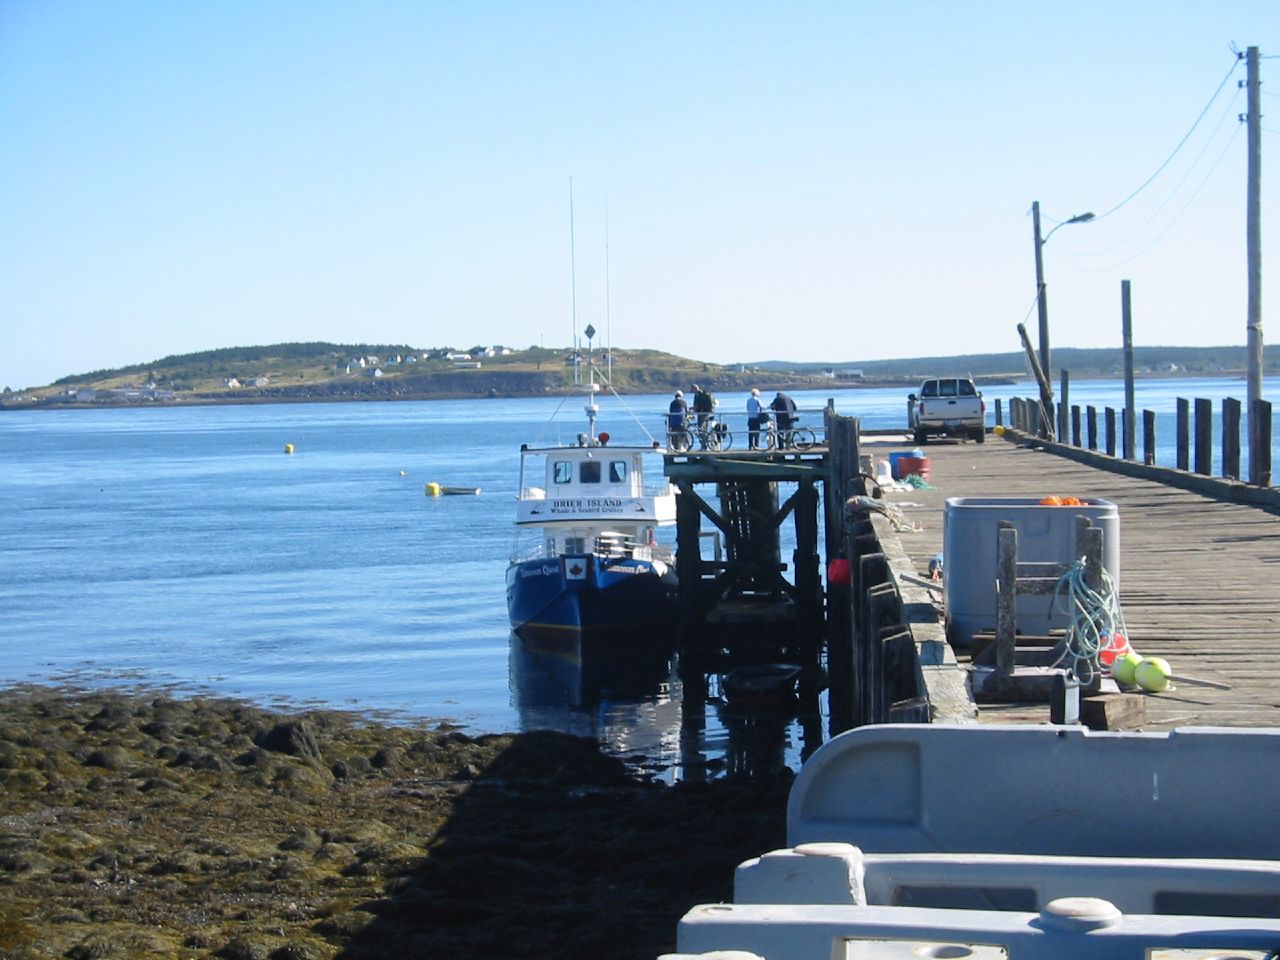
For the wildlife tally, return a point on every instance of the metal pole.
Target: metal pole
(1042, 309)
(1130, 414)
(1253, 245)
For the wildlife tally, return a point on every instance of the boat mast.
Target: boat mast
(591, 386)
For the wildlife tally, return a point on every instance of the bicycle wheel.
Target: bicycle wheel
(802, 438)
(726, 440)
(768, 439)
(711, 440)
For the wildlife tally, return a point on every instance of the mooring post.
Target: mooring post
(1260, 417)
(1183, 429)
(1149, 437)
(1204, 436)
(1231, 438)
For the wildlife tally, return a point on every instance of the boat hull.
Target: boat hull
(589, 596)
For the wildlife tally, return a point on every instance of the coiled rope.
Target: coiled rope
(1096, 620)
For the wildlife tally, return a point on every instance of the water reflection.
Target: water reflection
(639, 703)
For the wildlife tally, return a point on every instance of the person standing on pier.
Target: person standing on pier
(785, 408)
(754, 409)
(677, 414)
(703, 405)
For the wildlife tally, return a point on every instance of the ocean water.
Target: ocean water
(180, 547)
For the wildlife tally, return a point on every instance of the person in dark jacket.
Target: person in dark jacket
(704, 406)
(677, 414)
(785, 409)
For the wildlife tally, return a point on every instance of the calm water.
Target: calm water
(181, 547)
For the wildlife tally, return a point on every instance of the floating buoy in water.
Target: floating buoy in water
(403, 474)
(434, 489)
(288, 448)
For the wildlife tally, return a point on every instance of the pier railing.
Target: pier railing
(1105, 438)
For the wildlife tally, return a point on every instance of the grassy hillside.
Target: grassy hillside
(331, 371)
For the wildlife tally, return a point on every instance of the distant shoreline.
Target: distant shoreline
(289, 395)
(387, 391)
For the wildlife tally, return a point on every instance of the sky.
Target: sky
(810, 181)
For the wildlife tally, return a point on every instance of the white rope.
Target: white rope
(1096, 619)
(895, 515)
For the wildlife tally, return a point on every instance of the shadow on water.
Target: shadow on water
(646, 704)
(554, 849)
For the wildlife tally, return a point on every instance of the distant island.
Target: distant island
(293, 372)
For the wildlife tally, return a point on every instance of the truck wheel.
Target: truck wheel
(920, 436)
(980, 435)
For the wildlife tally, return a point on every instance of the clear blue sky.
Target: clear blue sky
(809, 181)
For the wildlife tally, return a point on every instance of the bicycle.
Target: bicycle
(794, 437)
(710, 434)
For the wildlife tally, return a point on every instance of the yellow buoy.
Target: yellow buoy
(432, 489)
(288, 448)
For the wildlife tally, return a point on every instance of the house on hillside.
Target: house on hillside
(231, 383)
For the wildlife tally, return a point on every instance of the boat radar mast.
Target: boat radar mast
(592, 388)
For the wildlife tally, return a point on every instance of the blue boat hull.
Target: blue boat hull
(586, 596)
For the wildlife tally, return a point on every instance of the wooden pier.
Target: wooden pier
(738, 597)
(1197, 574)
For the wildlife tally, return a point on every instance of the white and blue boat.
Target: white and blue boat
(587, 559)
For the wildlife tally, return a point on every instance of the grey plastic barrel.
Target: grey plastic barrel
(1046, 534)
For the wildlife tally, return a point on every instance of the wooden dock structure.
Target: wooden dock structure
(1198, 580)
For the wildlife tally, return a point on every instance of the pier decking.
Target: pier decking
(1198, 576)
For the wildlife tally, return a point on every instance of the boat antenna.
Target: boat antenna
(608, 315)
(573, 294)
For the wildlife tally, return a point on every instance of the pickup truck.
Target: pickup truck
(947, 405)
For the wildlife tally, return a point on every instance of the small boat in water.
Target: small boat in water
(769, 685)
(594, 565)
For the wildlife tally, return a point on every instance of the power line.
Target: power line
(1235, 64)
(1178, 216)
(1226, 114)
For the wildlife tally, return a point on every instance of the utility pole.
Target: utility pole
(1042, 308)
(1253, 249)
(1042, 304)
(1126, 334)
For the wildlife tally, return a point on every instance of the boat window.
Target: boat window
(589, 471)
(575, 545)
(618, 471)
(563, 471)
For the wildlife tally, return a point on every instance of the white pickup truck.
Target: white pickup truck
(947, 405)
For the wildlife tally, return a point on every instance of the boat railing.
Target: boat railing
(607, 546)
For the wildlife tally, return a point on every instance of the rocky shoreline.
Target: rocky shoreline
(140, 825)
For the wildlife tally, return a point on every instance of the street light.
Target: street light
(1042, 301)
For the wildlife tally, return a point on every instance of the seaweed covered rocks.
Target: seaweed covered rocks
(149, 826)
